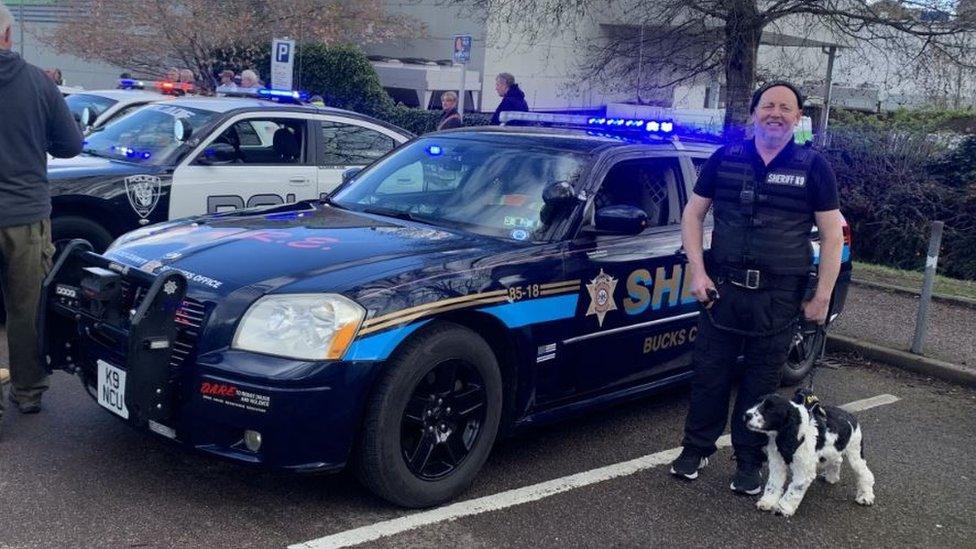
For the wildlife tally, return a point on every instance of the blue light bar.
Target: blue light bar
(131, 84)
(613, 124)
(651, 126)
(282, 94)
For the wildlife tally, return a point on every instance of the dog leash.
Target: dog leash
(713, 295)
(821, 331)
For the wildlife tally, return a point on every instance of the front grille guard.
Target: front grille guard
(144, 331)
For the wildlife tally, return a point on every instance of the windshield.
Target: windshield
(488, 186)
(97, 104)
(147, 135)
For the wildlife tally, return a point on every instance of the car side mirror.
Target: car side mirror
(182, 130)
(88, 117)
(218, 153)
(350, 173)
(620, 220)
(559, 193)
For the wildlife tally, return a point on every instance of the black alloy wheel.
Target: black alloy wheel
(806, 343)
(443, 419)
(431, 418)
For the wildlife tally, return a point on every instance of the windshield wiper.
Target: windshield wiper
(390, 212)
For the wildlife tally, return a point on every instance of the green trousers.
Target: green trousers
(26, 253)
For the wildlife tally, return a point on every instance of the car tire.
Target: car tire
(806, 344)
(67, 227)
(415, 450)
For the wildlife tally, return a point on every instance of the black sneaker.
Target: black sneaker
(688, 464)
(747, 480)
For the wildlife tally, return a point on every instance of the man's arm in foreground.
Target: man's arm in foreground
(692, 231)
(830, 224)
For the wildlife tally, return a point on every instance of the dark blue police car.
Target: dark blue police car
(467, 284)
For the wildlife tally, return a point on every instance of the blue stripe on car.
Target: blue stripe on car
(535, 311)
(845, 255)
(379, 346)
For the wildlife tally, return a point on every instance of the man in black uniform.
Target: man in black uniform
(767, 193)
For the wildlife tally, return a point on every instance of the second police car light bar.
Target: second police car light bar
(281, 96)
(165, 87)
(657, 127)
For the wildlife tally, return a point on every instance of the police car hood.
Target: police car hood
(301, 248)
(86, 165)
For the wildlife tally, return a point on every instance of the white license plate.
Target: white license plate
(111, 388)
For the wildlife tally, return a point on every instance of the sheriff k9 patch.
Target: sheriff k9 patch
(790, 178)
(143, 192)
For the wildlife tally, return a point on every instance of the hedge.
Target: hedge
(894, 182)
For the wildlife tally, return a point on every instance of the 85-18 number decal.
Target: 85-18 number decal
(228, 202)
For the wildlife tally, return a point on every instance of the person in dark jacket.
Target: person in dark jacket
(450, 119)
(34, 121)
(513, 99)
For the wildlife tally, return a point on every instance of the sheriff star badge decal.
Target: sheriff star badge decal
(601, 296)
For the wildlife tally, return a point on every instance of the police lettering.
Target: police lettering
(670, 288)
(668, 340)
(786, 179)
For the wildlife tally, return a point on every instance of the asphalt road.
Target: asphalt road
(74, 476)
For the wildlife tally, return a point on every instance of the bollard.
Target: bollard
(931, 260)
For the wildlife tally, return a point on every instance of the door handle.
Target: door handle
(299, 180)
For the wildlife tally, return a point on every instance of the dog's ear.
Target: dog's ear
(787, 437)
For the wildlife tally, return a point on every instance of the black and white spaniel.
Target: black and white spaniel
(806, 438)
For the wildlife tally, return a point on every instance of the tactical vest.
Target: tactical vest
(763, 225)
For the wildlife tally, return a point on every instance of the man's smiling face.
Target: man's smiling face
(776, 114)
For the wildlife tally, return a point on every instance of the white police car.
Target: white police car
(96, 108)
(195, 155)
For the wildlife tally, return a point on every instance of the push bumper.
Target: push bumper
(99, 316)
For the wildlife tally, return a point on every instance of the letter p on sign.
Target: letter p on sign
(283, 52)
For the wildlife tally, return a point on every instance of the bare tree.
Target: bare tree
(679, 40)
(150, 35)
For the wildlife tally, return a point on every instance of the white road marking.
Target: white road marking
(868, 403)
(518, 496)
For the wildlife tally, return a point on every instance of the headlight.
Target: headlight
(301, 326)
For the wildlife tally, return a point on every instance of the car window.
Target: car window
(146, 135)
(97, 104)
(487, 186)
(267, 141)
(350, 145)
(650, 184)
(122, 112)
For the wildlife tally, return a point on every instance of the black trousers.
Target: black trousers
(716, 369)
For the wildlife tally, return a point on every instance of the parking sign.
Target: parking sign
(462, 48)
(282, 63)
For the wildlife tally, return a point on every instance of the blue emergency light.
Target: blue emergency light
(651, 126)
(434, 150)
(131, 153)
(131, 84)
(267, 93)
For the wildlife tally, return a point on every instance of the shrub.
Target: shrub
(894, 183)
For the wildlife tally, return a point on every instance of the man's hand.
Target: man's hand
(700, 285)
(815, 310)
